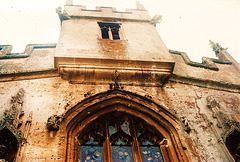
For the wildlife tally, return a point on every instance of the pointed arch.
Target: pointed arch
(78, 117)
(9, 142)
(232, 142)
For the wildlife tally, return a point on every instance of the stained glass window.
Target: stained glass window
(125, 126)
(151, 154)
(91, 154)
(121, 140)
(120, 134)
(112, 129)
(122, 154)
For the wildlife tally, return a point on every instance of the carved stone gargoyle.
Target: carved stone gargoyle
(62, 15)
(156, 19)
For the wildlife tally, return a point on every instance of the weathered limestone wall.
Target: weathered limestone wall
(81, 35)
(43, 98)
(46, 97)
(201, 110)
(82, 38)
(191, 103)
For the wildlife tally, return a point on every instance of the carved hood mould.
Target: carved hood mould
(130, 72)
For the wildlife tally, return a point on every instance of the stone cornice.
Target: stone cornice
(205, 83)
(29, 75)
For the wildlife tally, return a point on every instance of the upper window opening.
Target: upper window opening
(109, 30)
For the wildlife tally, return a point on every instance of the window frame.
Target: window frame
(110, 26)
(76, 118)
(107, 145)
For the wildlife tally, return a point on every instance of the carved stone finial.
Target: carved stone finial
(69, 2)
(11, 117)
(156, 19)
(53, 123)
(216, 47)
(140, 6)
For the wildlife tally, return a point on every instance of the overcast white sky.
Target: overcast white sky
(187, 25)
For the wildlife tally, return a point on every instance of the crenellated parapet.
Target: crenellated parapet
(36, 60)
(5, 53)
(207, 63)
(104, 13)
(221, 73)
(5, 50)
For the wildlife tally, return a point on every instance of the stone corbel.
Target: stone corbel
(53, 123)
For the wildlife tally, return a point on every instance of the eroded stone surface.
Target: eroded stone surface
(197, 108)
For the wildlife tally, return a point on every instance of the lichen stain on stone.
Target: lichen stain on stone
(193, 148)
(113, 48)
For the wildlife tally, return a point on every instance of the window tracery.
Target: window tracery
(121, 137)
(92, 143)
(109, 30)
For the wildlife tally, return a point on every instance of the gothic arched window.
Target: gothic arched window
(120, 137)
(109, 30)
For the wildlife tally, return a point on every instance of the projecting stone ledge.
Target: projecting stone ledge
(108, 71)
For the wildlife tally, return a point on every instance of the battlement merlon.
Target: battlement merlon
(78, 11)
(5, 50)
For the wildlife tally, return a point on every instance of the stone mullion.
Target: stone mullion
(165, 151)
(107, 144)
(136, 146)
(110, 33)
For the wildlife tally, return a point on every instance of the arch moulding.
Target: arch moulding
(75, 119)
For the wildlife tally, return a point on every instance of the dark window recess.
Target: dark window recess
(233, 144)
(108, 29)
(115, 33)
(105, 34)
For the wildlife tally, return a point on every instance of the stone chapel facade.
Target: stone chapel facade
(110, 90)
